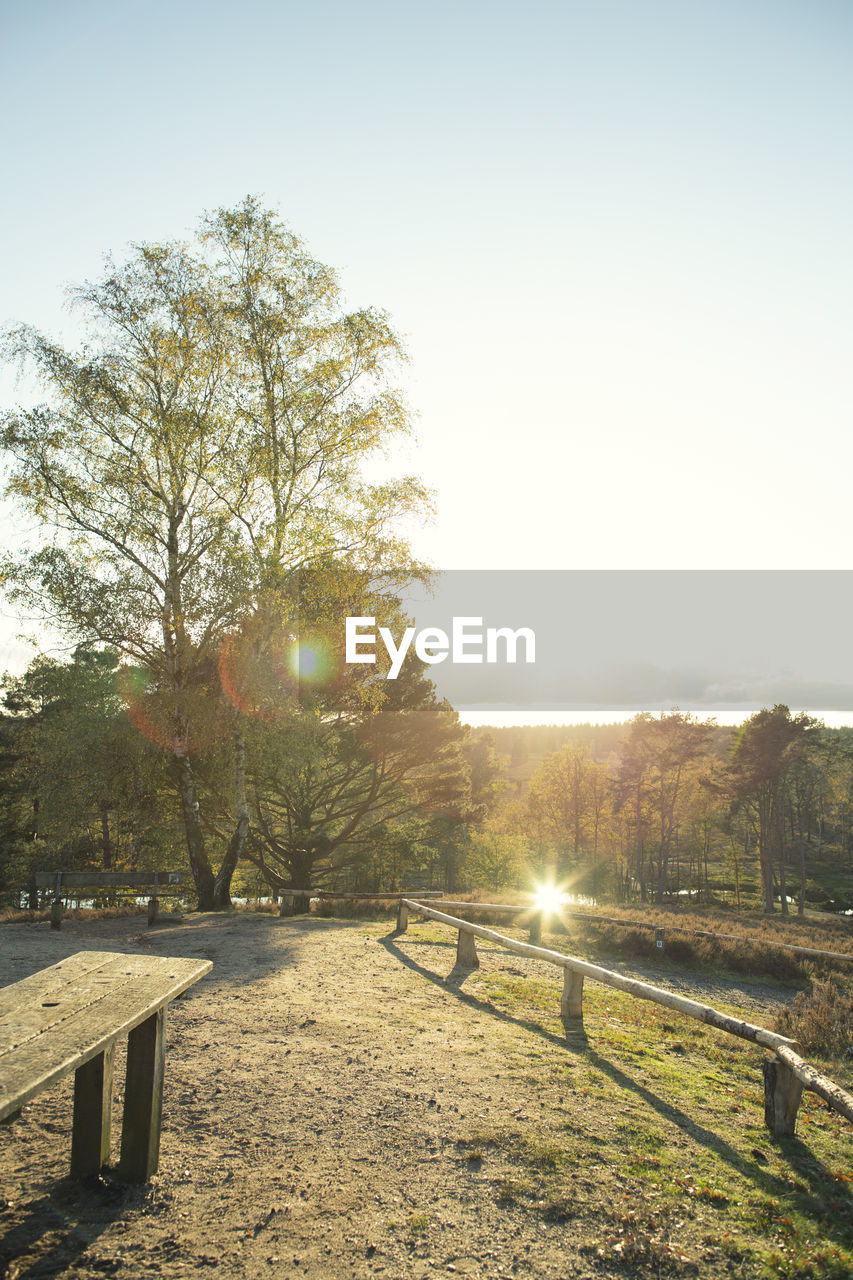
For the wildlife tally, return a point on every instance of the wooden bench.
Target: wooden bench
(103, 880)
(68, 1018)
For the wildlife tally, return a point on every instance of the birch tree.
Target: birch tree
(204, 443)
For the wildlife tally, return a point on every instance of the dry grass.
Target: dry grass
(10, 915)
(821, 1020)
(750, 956)
(823, 932)
(358, 909)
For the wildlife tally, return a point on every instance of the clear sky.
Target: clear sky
(616, 235)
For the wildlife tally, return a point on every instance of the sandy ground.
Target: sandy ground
(317, 1082)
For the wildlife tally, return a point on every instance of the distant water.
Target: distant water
(508, 719)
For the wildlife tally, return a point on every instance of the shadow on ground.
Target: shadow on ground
(797, 1153)
(267, 943)
(44, 1236)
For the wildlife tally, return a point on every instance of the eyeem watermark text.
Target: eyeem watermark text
(465, 643)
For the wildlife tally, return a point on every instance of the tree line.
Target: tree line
(341, 790)
(672, 805)
(351, 792)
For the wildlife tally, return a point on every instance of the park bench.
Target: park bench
(68, 1018)
(102, 880)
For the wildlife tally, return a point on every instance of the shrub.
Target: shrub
(821, 1020)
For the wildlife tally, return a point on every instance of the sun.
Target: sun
(548, 898)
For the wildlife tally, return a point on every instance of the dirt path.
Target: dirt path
(317, 1085)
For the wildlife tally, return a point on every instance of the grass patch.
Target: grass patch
(646, 1129)
(641, 1242)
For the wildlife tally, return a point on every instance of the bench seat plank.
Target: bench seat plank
(38, 1004)
(93, 1007)
(22, 994)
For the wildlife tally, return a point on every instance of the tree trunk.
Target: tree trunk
(765, 850)
(237, 843)
(641, 874)
(801, 901)
(780, 835)
(106, 844)
(767, 882)
(450, 879)
(199, 862)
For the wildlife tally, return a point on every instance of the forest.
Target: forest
(350, 791)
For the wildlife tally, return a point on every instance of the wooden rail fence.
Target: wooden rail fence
(537, 917)
(785, 1072)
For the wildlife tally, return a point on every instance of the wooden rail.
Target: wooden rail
(329, 895)
(785, 1075)
(106, 879)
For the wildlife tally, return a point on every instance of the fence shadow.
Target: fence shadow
(576, 1041)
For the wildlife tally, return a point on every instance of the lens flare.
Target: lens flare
(133, 687)
(548, 898)
(311, 660)
(235, 677)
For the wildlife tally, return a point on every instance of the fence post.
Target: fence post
(782, 1093)
(402, 917)
(571, 1004)
(466, 951)
(536, 929)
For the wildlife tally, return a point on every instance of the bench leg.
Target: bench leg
(143, 1099)
(93, 1097)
